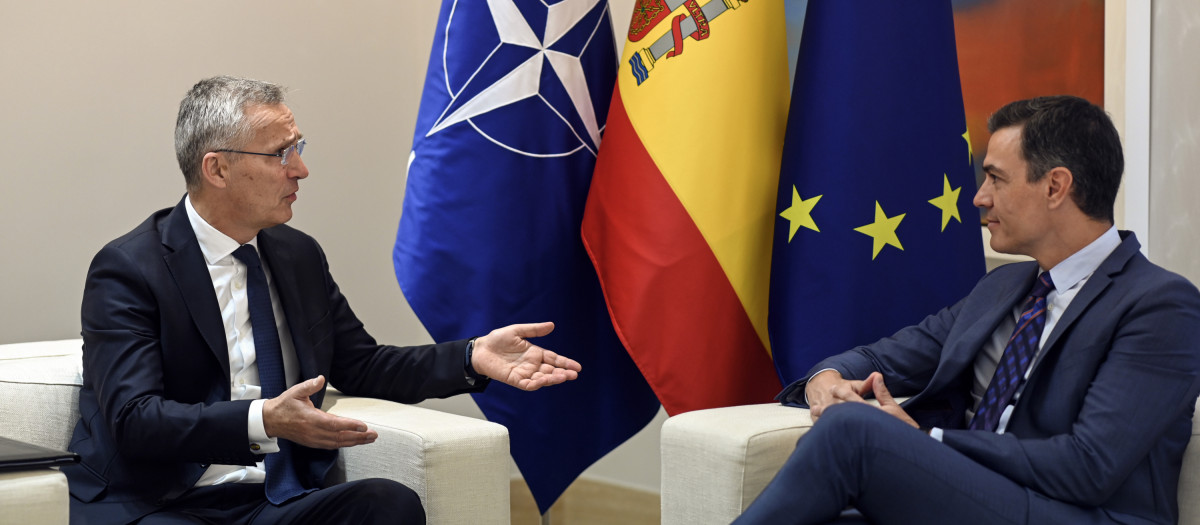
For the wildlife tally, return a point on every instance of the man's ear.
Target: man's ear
(214, 170)
(1059, 183)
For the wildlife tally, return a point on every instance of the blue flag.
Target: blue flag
(515, 100)
(875, 227)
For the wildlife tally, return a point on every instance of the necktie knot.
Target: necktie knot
(248, 255)
(1043, 286)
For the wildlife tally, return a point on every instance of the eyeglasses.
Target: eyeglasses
(283, 155)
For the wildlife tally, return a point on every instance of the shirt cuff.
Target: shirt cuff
(467, 368)
(260, 443)
(936, 433)
(810, 379)
(473, 377)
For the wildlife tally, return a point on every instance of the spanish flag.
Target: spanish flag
(679, 216)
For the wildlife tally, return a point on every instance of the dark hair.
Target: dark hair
(212, 116)
(1070, 132)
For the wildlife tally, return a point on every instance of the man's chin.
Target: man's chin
(284, 215)
(999, 246)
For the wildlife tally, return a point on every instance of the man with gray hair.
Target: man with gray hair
(209, 333)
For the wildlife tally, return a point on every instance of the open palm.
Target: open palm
(506, 355)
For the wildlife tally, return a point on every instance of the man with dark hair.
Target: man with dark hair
(1072, 133)
(1058, 391)
(209, 332)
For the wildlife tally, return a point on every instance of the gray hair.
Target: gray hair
(212, 116)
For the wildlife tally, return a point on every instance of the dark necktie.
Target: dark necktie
(282, 482)
(1022, 347)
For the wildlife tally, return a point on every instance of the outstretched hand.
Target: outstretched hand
(292, 416)
(506, 355)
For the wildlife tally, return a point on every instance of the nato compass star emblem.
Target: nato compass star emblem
(515, 73)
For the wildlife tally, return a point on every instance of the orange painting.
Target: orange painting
(1010, 50)
(1015, 49)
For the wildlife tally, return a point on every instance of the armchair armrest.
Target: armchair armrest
(459, 466)
(716, 462)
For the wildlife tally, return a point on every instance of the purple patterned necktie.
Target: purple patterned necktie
(1022, 347)
(282, 482)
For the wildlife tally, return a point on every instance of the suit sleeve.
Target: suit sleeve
(1142, 390)
(123, 363)
(360, 366)
(907, 359)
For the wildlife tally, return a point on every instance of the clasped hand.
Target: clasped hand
(828, 388)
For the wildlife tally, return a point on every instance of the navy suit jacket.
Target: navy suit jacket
(155, 405)
(1106, 414)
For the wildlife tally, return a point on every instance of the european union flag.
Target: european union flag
(510, 120)
(875, 226)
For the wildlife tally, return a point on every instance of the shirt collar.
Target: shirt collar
(1083, 263)
(213, 244)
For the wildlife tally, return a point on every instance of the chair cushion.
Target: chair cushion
(715, 462)
(39, 391)
(34, 496)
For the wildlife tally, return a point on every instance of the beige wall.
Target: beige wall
(88, 97)
(1175, 137)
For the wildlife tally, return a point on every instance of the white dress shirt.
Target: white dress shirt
(229, 282)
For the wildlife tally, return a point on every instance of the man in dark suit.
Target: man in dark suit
(210, 331)
(1058, 391)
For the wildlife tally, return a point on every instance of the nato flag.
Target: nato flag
(875, 226)
(510, 121)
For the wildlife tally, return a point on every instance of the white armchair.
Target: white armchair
(459, 466)
(716, 462)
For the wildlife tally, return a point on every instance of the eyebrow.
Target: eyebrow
(290, 142)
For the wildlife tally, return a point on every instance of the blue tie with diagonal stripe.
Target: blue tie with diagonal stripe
(1022, 347)
(282, 482)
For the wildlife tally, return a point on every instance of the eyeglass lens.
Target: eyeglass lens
(297, 148)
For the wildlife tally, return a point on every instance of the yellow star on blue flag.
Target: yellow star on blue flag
(914, 131)
(800, 214)
(947, 202)
(882, 231)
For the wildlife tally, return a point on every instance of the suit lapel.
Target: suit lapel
(283, 270)
(961, 350)
(186, 263)
(1097, 283)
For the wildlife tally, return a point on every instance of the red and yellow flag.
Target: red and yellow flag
(679, 217)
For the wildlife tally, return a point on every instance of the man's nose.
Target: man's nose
(297, 168)
(983, 197)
